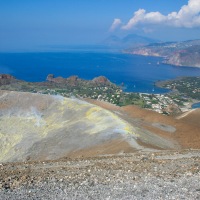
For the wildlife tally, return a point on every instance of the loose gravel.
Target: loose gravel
(142, 175)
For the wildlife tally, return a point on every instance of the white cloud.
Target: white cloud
(188, 16)
(116, 23)
(147, 30)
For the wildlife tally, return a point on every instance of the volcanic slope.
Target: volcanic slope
(45, 127)
(183, 129)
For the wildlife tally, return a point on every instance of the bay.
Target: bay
(137, 73)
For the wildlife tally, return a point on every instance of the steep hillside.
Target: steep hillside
(182, 130)
(186, 57)
(185, 53)
(36, 127)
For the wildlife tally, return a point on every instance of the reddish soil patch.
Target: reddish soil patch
(192, 118)
(187, 132)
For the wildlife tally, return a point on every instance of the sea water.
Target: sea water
(135, 73)
(196, 105)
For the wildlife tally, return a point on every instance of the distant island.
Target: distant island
(185, 53)
(185, 91)
(129, 41)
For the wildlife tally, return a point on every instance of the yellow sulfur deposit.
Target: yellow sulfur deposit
(35, 125)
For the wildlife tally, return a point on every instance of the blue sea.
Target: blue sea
(196, 105)
(137, 73)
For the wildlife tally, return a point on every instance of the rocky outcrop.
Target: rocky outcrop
(72, 80)
(101, 80)
(50, 77)
(75, 80)
(6, 76)
(6, 79)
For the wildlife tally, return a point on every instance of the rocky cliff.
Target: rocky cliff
(175, 53)
(187, 57)
(75, 80)
(6, 79)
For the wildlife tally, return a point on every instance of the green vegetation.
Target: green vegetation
(184, 91)
(188, 87)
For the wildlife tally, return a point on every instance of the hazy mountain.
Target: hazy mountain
(112, 40)
(131, 40)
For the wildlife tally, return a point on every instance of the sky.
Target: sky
(28, 24)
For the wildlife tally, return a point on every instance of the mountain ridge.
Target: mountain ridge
(186, 53)
(128, 41)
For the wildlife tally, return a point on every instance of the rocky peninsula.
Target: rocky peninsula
(186, 53)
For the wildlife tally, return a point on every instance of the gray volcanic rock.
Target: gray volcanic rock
(161, 175)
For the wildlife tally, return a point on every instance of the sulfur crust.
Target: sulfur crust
(7, 144)
(15, 128)
(107, 118)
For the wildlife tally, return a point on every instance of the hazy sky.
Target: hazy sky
(29, 24)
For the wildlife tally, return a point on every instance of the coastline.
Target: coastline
(100, 88)
(188, 106)
(164, 59)
(94, 64)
